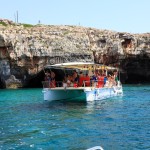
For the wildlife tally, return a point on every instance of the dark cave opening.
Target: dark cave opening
(127, 43)
(2, 84)
(36, 81)
(129, 76)
(134, 78)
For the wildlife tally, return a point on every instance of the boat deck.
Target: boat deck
(68, 88)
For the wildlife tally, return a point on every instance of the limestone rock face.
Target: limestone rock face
(12, 82)
(25, 50)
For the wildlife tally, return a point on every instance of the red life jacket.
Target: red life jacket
(87, 81)
(100, 82)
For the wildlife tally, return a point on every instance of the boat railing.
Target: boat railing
(52, 84)
(45, 84)
(91, 83)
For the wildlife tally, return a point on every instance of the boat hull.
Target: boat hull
(102, 93)
(64, 94)
(81, 94)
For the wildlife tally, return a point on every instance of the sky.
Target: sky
(131, 16)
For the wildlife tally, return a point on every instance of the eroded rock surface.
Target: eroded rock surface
(25, 50)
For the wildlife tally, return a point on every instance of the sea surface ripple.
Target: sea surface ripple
(120, 123)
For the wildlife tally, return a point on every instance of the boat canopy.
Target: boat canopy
(80, 66)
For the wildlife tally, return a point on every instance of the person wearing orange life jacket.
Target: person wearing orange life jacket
(81, 79)
(100, 80)
(87, 80)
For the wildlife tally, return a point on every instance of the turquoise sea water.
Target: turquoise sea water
(29, 123)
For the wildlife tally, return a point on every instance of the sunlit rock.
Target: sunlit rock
(27, 49)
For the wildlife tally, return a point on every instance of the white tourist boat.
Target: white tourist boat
(90, 92)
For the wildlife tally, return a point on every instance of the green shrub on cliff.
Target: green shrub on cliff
(27, 25)
(3, 23)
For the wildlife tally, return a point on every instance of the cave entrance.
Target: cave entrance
(2, 83)
(36, 81)
(127, 43)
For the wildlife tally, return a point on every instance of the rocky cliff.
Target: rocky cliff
(26, 49)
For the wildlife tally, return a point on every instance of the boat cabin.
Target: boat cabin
(79, 74)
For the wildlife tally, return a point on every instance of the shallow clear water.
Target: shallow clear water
(120, 123)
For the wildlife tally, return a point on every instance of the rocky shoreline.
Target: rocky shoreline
(26, 49)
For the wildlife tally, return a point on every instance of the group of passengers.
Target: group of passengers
(71, 80)
(97, 78)
(112, 79)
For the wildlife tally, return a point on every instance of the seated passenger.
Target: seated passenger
(47, 76)
(65, 82)
(94, 80)
(87, 80)
(81, 79)
(115, 75)
(53, 82)
(109, 82)
(100, 81)
(75, 77)
(47, 79)
(69, 81)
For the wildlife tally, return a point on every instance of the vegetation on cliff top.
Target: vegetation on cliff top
(27, 25)
(6, 22)
(3, 23)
